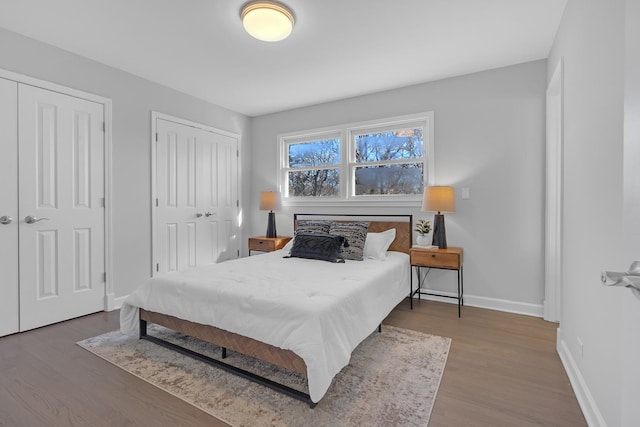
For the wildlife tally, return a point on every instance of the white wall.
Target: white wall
(590, 40)
(133, 100)
(489, 136)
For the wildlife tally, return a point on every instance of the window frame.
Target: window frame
(346, 134)
(312, 136)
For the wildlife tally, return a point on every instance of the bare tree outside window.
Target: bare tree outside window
(389, 160)
(313, 171)
(319, 182)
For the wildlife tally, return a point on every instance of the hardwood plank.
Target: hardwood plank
(52, 382)
(502, 370)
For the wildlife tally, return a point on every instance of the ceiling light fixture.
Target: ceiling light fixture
(268, 21)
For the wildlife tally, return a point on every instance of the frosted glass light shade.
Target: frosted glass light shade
(268, 21)
(439, 199)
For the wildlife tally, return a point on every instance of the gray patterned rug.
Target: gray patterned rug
(392, 380)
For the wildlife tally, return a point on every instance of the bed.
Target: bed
(302, 314)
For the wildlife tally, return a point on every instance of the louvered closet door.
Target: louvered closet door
(8, 208)
(61, 181)
(197, 190)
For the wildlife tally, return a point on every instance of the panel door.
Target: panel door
(196, 197)
(219, 198)
(61, 206)
(8, 207)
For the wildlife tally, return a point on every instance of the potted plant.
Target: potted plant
(423, 227)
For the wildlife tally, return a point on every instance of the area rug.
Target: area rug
(392, 380)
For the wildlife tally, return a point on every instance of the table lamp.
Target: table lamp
(439, 199)
(270, 201)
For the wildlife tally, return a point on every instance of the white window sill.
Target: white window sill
(366, 202)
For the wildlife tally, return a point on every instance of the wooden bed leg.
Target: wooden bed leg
(224, 352)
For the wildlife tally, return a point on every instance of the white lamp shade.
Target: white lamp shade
(439, 199)
(270, 201)
(267, 20)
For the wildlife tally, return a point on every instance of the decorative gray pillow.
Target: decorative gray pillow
(313, 226)
(324, 247)
(356, 234)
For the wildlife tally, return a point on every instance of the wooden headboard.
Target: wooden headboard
(377, 223)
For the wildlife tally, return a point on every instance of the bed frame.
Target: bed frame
(248, 346)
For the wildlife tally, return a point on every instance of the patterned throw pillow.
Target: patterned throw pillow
(325, 247)
(355, 234)
(313, 226)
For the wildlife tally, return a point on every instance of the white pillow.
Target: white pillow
(376, 245)
(288, 246)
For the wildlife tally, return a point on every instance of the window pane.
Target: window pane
(315, 153)
(389, 179)
(392, 145)
(319, 182)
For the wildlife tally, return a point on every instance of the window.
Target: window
(313, 168)
(390, 160)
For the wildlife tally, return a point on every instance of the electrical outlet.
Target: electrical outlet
(580, 347)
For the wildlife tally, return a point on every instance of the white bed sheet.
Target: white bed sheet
(319, 310)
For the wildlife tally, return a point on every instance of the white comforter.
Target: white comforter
(319, 310)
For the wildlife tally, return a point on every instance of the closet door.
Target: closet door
(61, 205)
(196, 221)
(8, 208)
(221, 198)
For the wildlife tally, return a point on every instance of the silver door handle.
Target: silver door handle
(208, 214)
(32, 219)
(628, 279)
(198, 215)
(5, 220)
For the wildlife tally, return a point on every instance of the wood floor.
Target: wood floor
(502, 370)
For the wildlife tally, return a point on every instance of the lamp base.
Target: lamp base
(271, 225)
(439, 232)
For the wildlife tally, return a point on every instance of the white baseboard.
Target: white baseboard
(585, 398)
(535, 310)
(112, 303)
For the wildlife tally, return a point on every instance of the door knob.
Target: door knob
(5, 219)
(198, 215)
(32, 219)
(208, 214)
(628, 279)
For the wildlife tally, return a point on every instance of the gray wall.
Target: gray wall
(133, 100)
(590, 42)
(489, 136)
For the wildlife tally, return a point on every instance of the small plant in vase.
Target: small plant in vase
(423, 227)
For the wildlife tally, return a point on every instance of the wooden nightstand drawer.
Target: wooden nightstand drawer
(439, 258)
(262, 245)
(267, 244)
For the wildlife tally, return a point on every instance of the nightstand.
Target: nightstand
(445, 259)
(267, 244)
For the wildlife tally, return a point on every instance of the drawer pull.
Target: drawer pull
(433, 256)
